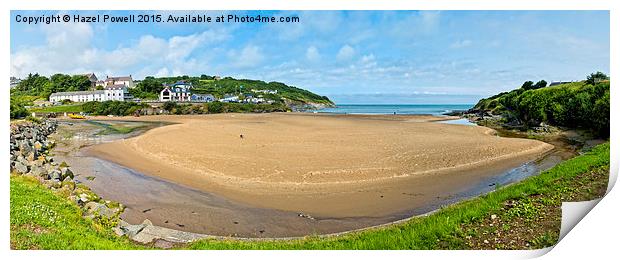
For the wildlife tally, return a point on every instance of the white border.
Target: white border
(594, 236)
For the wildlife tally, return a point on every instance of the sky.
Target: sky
(363, 57)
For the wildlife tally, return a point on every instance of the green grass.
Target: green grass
(74, 108)
(33, 206)
(41, 219)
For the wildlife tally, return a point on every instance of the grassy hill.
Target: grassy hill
(150, 87)
(582, 105)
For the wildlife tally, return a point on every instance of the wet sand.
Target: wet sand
(368, 167)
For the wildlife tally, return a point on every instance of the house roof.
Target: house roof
(71, 93)
(202, 95)
(115, 86)
(120, 78)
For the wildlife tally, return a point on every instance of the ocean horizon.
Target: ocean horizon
(402, 109)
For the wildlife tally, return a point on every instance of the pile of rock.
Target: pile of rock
(28, 146)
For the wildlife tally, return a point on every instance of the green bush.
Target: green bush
(573, 105)
(117, 108)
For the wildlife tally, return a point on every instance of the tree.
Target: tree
(527, 85)
(150, 85)
(596, 78)
(80, 83)
(540, 84)
(34, 84)
(169, 106)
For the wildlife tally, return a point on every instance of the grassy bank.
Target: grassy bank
(525, 215)
(41, 219)
(71, 108)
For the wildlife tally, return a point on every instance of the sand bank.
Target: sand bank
(324, 165)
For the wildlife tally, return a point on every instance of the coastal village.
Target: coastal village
(117, 88)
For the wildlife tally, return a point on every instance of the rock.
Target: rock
(55, 175)
(151, 233)
(20, 167)
(69, 183)
(66, 173)
(147, 222)
(130, 230)
(82, 199)
(38, 171)
(38, 146)
(99, 209)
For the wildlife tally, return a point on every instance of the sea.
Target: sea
(401, 109)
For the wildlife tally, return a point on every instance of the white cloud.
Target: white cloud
(249, 56)
(345, 53)
(69, 48)
(312, 54)
(461, 44)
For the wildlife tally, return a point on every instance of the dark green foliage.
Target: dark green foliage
(540, 84)
(530, 85)
(596, 77)
(17, 109)
(219, 107)
(527, 85)
(117, 108)
(573, 105)
(37, 85)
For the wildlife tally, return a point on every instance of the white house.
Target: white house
(124, 80)
(117, 92)
(78, 96)
(114, 92)
(230, 98)
(202, 98)
(177, 92)
(265, 91)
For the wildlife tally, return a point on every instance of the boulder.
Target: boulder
(152, 233)
(38, 171)
(66, 173)
(130, 230)
(56, 175)
(20, 167)
(99, 209)
(68, 183)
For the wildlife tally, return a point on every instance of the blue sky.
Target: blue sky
(351, 56)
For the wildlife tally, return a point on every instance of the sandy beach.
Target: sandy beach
(321, 165)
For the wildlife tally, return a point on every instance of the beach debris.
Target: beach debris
(241, 136)
(305, 216)
(493, 217)
(146, 210)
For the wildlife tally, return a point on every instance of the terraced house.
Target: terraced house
(117, 92)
